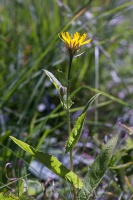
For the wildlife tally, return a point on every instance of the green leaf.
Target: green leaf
(129, 144)
(76, 131)
(52, 163)
(62, 91)
(54, 80)
(97, 169)
(121, 166)
(56, 166)
(8, 197)
(24, 146)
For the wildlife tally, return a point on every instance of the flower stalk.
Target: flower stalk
(68, 118)
(73, 44)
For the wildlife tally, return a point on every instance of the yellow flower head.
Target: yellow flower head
(73, 42)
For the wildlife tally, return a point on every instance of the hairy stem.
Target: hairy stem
(68, 118)
(68, 91)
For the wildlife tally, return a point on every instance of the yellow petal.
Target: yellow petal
(65, 38)
(60, 36)
(69, 37)
(77, 36)
(82, 38)
(86, 42)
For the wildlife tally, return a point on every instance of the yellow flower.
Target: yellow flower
(73, 42)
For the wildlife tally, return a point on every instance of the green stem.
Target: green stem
(68, 91)
(68, 118)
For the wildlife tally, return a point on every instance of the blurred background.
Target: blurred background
(30, 108)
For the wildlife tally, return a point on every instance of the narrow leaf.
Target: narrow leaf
(62, 91)
(24, 146)
(56, 166)
(121, 166)
(52, 163)
(97, 169)
(54, 80)
(76, 131)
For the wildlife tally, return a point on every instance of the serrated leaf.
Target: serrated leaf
(62, 91)
(76, 131)
(97, 169)
(52, 163)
